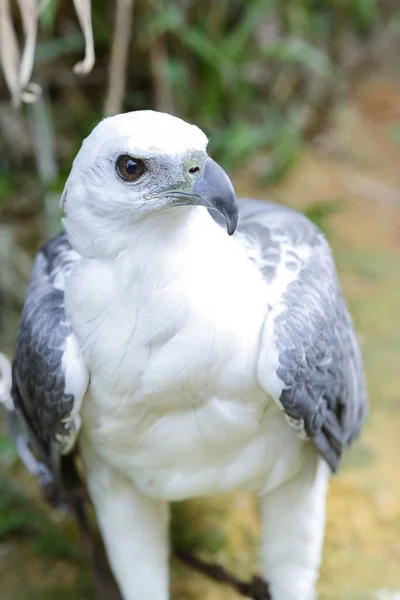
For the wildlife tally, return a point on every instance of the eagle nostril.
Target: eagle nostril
(194, 170)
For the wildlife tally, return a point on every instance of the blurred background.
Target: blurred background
(301, 100)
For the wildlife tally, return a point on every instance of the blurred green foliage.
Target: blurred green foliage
(319, 213)
(256, 75)
(260, 77)
(18, 517)
(187, 537)
(245, 70)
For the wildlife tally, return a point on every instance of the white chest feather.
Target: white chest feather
(171, 336)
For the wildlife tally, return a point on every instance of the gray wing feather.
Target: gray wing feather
(314, 350)
(43, 395)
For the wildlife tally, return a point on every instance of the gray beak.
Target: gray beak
(214, 190)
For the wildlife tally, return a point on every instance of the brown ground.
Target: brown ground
(356, 168)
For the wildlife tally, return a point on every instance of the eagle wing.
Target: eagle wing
(49, 377)
(310, 360)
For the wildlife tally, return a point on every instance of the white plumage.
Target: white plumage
(177, 333)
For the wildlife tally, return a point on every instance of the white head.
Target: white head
(135, 165)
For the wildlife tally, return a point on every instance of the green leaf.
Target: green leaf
(168, 20)
(6, 188)
(8, 453)
(365, 13)
(301, 52)
(235, 42)
(48, 15)
(197, 40)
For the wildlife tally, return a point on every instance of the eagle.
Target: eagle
(188, 343)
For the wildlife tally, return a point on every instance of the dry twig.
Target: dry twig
(119, 57)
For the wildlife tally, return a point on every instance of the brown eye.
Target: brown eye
(129, 168)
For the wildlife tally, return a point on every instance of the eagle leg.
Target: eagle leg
(71, 493)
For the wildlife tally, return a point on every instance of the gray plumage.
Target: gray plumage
(319, 358)
(38, 376)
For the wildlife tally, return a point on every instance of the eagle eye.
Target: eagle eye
(130, 169)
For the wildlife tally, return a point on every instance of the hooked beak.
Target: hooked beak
(214, 190)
